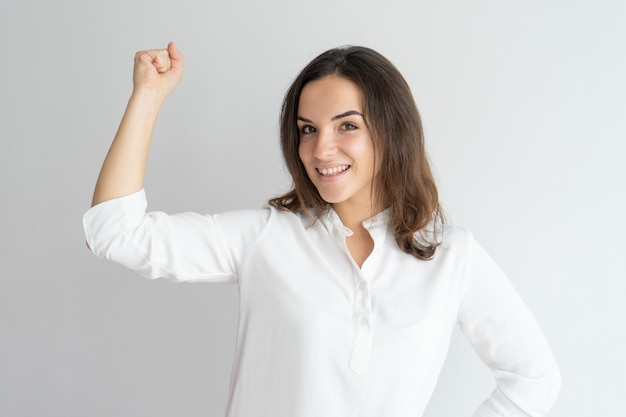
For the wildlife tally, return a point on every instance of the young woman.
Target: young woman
(350, 283)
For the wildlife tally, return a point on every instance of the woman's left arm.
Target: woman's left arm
(507, 338)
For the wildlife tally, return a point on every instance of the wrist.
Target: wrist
(148, 96)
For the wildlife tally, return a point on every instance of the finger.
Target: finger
(161, 60)
(152, 58)
(176, 57)
(157, 58)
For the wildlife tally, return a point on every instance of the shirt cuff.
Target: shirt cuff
(109, 219)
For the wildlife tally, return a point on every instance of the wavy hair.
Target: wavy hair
(404, 182)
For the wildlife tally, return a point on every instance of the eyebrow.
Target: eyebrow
(339, 116)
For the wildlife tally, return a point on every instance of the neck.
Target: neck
(353, 215)
(360, 243)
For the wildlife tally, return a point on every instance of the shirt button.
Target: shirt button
(363, 321)
(363, 286)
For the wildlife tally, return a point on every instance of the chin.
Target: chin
(332, 199)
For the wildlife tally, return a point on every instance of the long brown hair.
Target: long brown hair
(404, 182)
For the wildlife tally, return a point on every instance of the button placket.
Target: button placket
(362, 313)
(362, 343)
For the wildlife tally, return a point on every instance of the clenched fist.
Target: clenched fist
(158, 70)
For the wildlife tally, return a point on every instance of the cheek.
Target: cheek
(303, 152)
(300, 151)
(362, 149)
(303, 159)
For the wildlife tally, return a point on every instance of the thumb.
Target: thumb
(176, 57)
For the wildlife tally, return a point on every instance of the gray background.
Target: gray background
(524, 109)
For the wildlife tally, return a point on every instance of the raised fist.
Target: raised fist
(158, 70)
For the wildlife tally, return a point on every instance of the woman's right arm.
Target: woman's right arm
(156, 73)
(181, 247)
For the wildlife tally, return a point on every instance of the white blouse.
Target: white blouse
(319, 336)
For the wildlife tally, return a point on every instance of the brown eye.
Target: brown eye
(306, 129)
(348, 126)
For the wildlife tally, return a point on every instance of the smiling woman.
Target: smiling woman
(350, 284)
(337, 152)
(336, 148)
(401, 180)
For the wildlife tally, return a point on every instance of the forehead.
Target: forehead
(330, 95)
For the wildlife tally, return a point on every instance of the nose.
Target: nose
(325, 144)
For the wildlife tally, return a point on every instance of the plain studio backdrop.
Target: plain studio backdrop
(524, 110)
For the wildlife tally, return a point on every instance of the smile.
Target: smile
(329, 172)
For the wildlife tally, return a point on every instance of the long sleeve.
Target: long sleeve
(180, 247)
(507, 338)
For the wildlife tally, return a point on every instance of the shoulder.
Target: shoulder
(258, 220)
(243, 217)
(455, 241)
(454, 235)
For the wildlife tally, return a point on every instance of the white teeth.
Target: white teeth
(327, 172)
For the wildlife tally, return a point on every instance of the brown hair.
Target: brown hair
(404, 182)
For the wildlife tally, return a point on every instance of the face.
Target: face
(335, 144)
